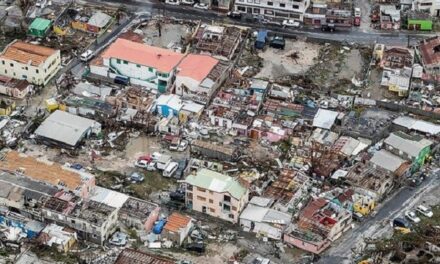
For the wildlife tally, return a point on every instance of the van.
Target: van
(122, 80)
(400, 222)
(86, 56)
(170, 169)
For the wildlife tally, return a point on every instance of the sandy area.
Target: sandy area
(279, 63)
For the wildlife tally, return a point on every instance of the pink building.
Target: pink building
(216, 194)
(320, 223)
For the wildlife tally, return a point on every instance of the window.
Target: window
(234, 208)
(270, 3)
(227, 198)
(200, 198)
(227, 208)
(249, 1)
(295, 6)
(212, 210)
(150, 69)
(282, 5)
(24, 76)
(12, 64)
(201, 189)
(37, 71)
(73, 221)
(137, 65)
(256, 10)
(118, 61)
(211, 201)
(231, 216)
(3, 62)
(125, 62)
(211, 192)
(268, 12)
(6, 71)
(256, 1)
(241, 8)
(26, 68)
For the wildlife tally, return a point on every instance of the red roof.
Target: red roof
(176, 221)
(310, 210)
(162, 60)
(430, 51)
(196, 66)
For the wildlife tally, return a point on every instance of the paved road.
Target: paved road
(361, 36)
(380, 225)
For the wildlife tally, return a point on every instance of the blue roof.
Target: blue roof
(262, 34)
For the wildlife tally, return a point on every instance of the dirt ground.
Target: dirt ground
(171, 33)
(278, 63)
(374, 90)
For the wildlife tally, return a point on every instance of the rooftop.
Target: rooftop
(163, 60)
(217, 182)
(136, 257)
(65, 127)
(325, 118)
(27, 53)
(387, 160)
(99, 19)
(407, 144)
(430, 51)
(40, 24)
(42, 170)
(196, 66)
(13, 83)
(93, 212)
(177, 221)
(134, 207)
(418, 125)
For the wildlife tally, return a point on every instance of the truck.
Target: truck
(357, 17)
(163, 161)
(260, 42)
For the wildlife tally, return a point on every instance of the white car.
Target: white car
(171, 2)
(141, 164)
(86, 56)
(202, 6)
(151, 166)
(412, 217)
(424, 211)
(182, 145)
(291, 23)
(187, 2)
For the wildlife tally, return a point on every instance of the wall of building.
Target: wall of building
(39, 75)
(191, 84)
(313, 247)
(212, 203)
(273, 8)
(220, 122)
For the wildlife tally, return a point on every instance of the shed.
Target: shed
(39, 27)
(98, 21)
(177, 228)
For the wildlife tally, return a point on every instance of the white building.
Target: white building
(279, 9)
(143, 65)
(25, 61)
(433, 6)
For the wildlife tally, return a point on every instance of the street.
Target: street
(380, 225)
(364, 35)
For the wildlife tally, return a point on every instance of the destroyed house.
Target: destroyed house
(214, 151)
(93, 221)
(24, 194)
(139, 214)
(14, 87)
(319, 222)
(79, 182)
(128, 255)
(397, 58)
(143, 65)
(259, 218)
(33, 63)
(339, 18)
(429, 50)
(220, 42)
(277, 108)
(413, 148)
(66, 130)
(271, 129)
(216, 194)
(389, 17)
(199, 83)
(87, 107)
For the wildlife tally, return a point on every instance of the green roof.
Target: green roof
(40, 24)
(216, 182)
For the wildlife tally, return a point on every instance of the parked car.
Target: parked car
(358, 217)
(152, 166)
(187, 2)
(141, 163)
(202, 6)
(178, 195)
(400, 222)
(170, 169)
(136, 177)
(234, 15)
(277, 42)
(425, 211)
(291, 23)
(412, 216)
(86, 56)
(196, 247)
(270, 22)
(182, 145)
(171, 2)
(329, 28)
(180, 170)
(119, 239)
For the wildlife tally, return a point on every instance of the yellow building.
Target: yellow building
(6, 107)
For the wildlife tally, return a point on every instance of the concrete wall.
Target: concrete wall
(39, 75)
(313, 247)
